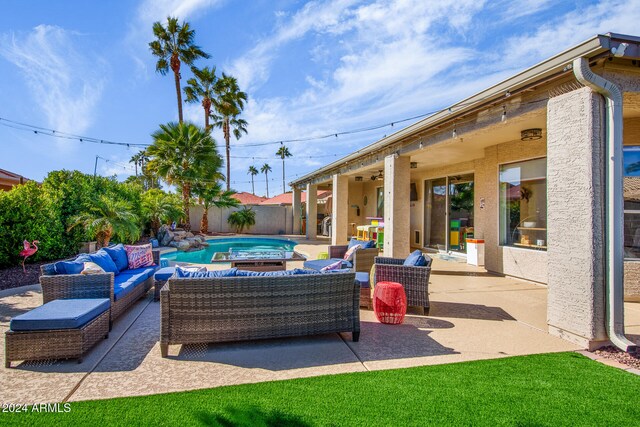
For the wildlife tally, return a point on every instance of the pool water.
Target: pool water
(226, 245)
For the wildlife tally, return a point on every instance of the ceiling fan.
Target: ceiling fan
(378, 177)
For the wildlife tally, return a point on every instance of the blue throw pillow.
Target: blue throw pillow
(119, 256)
(68, 267)
(415, 259)
(231, 272)
(102, 259)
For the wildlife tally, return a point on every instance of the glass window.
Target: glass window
(523, 204)
(631, 193)
(380, 205)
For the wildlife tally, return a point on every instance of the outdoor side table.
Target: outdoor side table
(389, 302)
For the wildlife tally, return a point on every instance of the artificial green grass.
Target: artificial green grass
(548, 389)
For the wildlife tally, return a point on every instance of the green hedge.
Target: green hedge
(33, 212)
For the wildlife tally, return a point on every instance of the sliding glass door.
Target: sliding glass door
(448, 212)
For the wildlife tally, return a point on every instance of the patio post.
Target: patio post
(312, 211)
(340, 210)
(297, 211)
(575, 219)
(396, 206)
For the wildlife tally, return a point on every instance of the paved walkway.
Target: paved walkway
(474, 315)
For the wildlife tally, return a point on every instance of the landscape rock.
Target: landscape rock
(180, 245)
(165, 235)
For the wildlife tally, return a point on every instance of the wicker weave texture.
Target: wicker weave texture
(415, 280)
(55, 344)
(72, 286)
(363, 259)
(204, 310)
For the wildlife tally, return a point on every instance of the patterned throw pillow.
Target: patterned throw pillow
(139, 256)
(333, 266)
(348, 256)
(92, 268)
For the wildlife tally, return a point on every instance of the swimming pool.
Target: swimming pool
(244, 244)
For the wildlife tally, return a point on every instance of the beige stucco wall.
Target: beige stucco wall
(269, 219)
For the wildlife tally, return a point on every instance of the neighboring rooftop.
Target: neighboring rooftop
(248, 198)
(287, 198)
(10, 179)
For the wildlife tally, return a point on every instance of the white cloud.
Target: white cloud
(570, 29)
(158, 10)
(64, 83)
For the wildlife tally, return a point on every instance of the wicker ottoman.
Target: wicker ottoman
(59, 329)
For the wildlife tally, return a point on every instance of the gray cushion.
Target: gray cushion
(60, 314)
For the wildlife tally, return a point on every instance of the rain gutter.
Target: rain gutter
(614, 208)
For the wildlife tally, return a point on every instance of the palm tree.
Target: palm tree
(200, 87)
(184, 154)
(174, 44)
(139, 159)
(265, 169)
(228, 104)
(253, 172)
(246, 217)
(105, 218)
(159, 207)
(212, 195)
(283, 152)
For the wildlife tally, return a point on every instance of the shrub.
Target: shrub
(244, 218)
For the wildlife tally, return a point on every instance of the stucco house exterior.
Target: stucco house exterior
(533, 166)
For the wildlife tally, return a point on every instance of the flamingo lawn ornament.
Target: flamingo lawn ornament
(29, 249)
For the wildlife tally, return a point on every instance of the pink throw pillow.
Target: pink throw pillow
(348, 256)
(139, 256)
(333, 266)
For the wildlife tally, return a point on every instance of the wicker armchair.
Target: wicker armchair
(415, 280)
(362, 258)
(68, 286)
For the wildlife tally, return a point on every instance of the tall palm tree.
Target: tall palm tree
(139, 159)
(174, 44)
(228, 104)
(104, 218)
(184, 154)
(253, 172)
(283, 152)
(212, 195)
(200, 88)
(265, 169)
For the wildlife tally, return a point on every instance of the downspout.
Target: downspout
(614, 213)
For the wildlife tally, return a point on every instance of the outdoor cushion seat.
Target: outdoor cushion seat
(362, 279)
(126, 282)
(60, 314)
(146, 270)
(68, 267)
(318, 264)
(164, 274)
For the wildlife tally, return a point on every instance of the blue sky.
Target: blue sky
(309, 68)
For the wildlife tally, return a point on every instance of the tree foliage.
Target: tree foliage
(244, 218)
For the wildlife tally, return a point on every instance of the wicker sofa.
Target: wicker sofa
(415, 280)
(72, 286)
(207, 310)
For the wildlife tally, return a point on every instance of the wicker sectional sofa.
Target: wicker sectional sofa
(74, 286)
(208, 310)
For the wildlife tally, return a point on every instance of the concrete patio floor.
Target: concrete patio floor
(474, 315)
